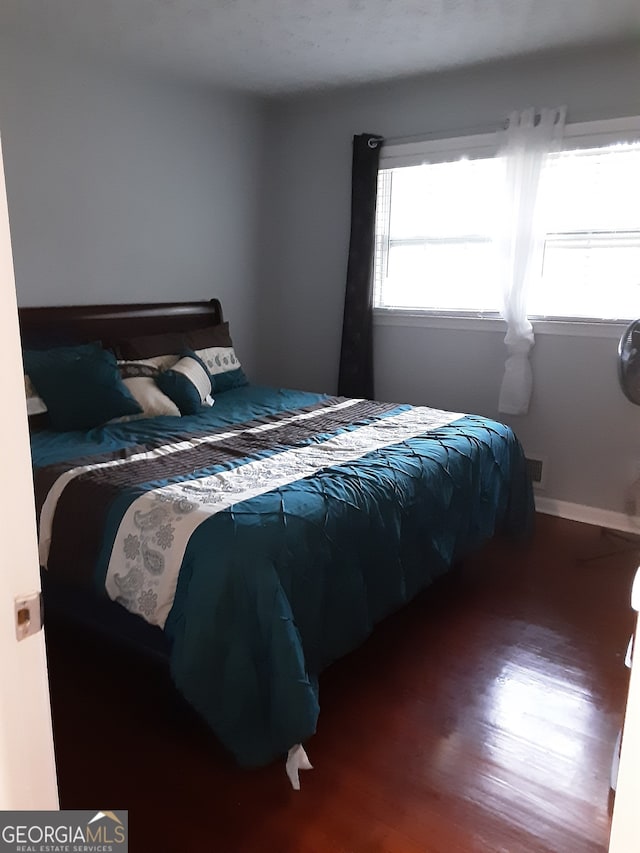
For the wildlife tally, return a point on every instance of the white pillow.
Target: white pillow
(139, 377)
(197, 374)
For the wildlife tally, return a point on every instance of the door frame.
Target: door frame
(27, 760)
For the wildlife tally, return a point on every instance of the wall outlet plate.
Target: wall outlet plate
(537, 468)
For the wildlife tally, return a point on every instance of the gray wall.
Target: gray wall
(125, 188)
(578, 420)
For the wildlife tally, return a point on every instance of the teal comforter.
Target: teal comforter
(273, 588)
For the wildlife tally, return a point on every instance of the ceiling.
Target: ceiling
(281, 46)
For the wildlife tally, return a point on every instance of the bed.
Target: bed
(256, 541)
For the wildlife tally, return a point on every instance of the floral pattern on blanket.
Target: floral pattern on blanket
(155, 529)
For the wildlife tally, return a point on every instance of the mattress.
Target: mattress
(267, 535)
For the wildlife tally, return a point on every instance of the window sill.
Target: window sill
(568, 328)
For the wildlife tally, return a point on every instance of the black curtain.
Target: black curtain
(356, 354)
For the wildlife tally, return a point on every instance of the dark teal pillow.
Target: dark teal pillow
(187, 383)
(80, 385)
(228, 380)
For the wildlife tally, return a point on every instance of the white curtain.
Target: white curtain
(530, 136)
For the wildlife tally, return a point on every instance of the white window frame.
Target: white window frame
(577, 135)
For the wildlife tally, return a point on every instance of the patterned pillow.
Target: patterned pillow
(140, 378)
(187, 383)
(215, 348)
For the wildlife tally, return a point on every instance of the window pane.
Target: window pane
(442, 276)
(589, 281)
(592, 190)
(444, 199)
(589, 203)
(434, 230)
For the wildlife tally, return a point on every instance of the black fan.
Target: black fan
(629, 362)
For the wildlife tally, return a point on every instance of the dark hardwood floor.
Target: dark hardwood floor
(482, 717)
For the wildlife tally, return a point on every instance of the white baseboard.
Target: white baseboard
(588, 514)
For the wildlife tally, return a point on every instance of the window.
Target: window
(437, 213)
(590, 206)
(438, 252)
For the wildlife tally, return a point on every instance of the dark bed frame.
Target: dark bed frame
(113, 323)
(73, 324)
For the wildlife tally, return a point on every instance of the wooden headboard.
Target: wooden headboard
(66, 324)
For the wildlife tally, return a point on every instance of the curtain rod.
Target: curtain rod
(445, 134)
(494, 127)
